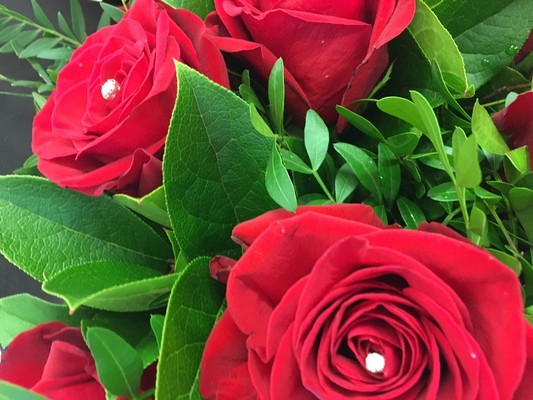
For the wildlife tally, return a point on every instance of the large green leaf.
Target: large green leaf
(199, 7)
(214, 166)
(488, 33)
(9, 391)
(46, 229)
(111, 286)
(22, 312)
(195, 304)
(437, 44)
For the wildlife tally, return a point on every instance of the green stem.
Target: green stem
(494, 103)
(146, 394)
(450, 216)
(462, 204)
(323, 186)
(501, 225)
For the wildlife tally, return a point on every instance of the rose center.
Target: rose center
(110, 89)
(375, 363)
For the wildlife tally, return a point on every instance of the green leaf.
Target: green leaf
(467, 169)
(522, 202)
(113, 12)
(40, 15)
(188, 323)
(111, 286)
(278, 182)
(9, 391)
(151, 206)
(157, 322)
(316, 138)
(345, 183)
(38, 46)
(294, 163)
(490, 44)
(361, 123)
(401, 108)
(437, 44)
(508, 260)
(78, 20)
(519, 158)
(276, 95)
(199, 7)
(47, 229)
(389, 172)
(438, 78)
(403, 144)
(22, 312)
(486, 133)
(410, 212)
(118, 364)
(445, 192)
(214, 154)
(63, 25)
(259, 123)
(363, 166)
(478, 227)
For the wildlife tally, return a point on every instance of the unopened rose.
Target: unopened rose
(104, 127)
(516, 120)
(334, 52)
(327, 303)
(52, 359)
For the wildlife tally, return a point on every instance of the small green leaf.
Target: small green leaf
(157, 322)
(508, 260)
(522, 202)
(111, 286)
(361, 123)
(78, 20)
(467, 169)
(199, 7)
(40, 15)
(294, 163)
(489, 197)
(188, 323)
(345, 183)
(403, 144)
(63, 25)
(363, 166)
(478, 227)
(278, 182)
(113, 12)
(316, 138)
(9, 391)
(151, 206)
(276, 95)
(401, 108)
(411, 213)
(259, 123)
(38, 46)
(118, 364)
(519, 158)
(446, 192)
(486, 133)
(389, 172)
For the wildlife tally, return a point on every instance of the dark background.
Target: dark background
(16, 115)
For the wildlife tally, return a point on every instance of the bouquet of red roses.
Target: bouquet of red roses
(249, 199)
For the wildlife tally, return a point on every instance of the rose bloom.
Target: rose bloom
(52, 359)
(328, 304)
(104, 126)
(516, 120)
(334, 52)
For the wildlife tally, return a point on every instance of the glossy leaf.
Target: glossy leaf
(294, 163)
(345, 183)
(212, 153)
(363, 166)
(111, 286)
(151, 206)
(316, 139)
(276, 95)
(486, 133)
(189, 320)
(389, 172)
(467, 169)
(38, 218)
(403, 144)
(199, 7)
(118, 364)
(410, 212)
(361, 123)
(278, 182)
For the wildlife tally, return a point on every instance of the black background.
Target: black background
(16, 115)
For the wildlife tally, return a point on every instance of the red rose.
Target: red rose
(516, 120)
(334, 52)
(327, 304)
(104, 127)
(53, 360)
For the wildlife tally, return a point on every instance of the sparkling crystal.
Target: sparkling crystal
(375, 363)
(110, 89)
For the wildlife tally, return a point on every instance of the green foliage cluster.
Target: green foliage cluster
(134, 273)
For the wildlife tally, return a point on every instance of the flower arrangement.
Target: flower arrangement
(247, 199)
